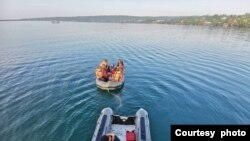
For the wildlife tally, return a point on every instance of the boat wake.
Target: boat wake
(118, 99)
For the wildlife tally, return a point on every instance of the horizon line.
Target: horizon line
(123, 15)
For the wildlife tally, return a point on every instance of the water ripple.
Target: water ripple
(47, 82)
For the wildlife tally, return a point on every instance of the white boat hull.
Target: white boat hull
(110, 85)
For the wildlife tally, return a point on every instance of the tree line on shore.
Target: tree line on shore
(207, 20)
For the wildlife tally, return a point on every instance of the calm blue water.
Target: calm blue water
(179, 74)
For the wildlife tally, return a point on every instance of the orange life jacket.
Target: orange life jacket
(120, 67)
(100, 73)
(118, 75)
(103, 64)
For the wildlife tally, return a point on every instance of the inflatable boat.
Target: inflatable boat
(109, 85)
(130, 128)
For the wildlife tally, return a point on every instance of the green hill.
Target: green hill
(207, 20)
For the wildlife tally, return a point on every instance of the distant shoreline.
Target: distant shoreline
(206, 20)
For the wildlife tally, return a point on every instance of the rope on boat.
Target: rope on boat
(108, 86)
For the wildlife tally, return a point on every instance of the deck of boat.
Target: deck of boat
(120, 130)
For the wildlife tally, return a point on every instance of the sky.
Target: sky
(15, 9)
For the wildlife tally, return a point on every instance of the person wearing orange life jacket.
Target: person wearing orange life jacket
(101, 74)
(101, 71)
(118, 75)
(104, 64)
(120, 64)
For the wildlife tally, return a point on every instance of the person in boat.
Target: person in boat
(109, 137)
(109, 71)
(120, 64)
(113, 70)
(104, 64)
(101, 74)
(101, 71)
(118, 75)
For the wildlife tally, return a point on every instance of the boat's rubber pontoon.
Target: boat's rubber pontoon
(109, 85)
(122, 127)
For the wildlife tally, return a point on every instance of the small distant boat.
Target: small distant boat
(110, 85)
(134, 128)
(113, 75)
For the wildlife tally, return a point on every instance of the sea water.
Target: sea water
(179, 74)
